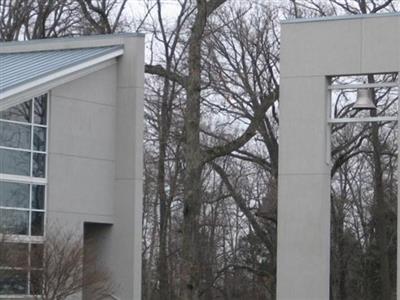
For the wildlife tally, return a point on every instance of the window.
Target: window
(22, 208)
(23, 159)
(23, 133)
(20, 268)
(363, 142)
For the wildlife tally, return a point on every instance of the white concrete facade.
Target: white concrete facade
(311, 52)
(95, 154)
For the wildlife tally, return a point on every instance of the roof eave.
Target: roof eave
(17, 94)
(66, 43)
(339, 18)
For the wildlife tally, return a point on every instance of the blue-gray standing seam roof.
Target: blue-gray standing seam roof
(19, 68)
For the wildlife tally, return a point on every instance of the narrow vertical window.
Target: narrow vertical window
(23, 163)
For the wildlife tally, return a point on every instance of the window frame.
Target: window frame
(31, 180)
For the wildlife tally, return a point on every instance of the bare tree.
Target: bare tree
(104, 16)
(38, 19)
(27, 19)
(58, 268)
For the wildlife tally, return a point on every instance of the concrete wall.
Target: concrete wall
(95, 161)
(311, 51)
(82, 147)
(127, 233)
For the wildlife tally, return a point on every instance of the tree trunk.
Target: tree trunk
(192, 157)
(380, 210)
(164, 203)
(341, 254)
(380, 218)
(192, 180)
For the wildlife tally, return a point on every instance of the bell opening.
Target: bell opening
(364, 100)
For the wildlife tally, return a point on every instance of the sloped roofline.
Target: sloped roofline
(88, 41)
(62, 72)
(19, 93)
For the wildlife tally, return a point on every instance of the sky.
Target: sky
(138, 7)
(171, 7)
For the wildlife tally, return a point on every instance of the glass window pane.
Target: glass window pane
(14, 194)
(38, 196)
(37, 255)
(36, 282)
(39, 138)
(13, 255)
(15, 135)
(20, 113)
(40, 113)
(39, 165)
(13, 282)
(37, 223)
(15, 162)
(14, 221)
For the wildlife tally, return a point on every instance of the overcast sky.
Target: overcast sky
(137, 7)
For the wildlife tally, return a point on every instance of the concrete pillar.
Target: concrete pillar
(127, 228)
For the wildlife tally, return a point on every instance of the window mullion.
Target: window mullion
(39, 211)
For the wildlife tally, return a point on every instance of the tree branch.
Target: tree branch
(218, 151)
(170, 75)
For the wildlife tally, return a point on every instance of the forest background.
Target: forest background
(211, 143)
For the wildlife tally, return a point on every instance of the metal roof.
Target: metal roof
(17, 69)
(340, 17)
(69, 39)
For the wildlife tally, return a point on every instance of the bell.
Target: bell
(364, 99)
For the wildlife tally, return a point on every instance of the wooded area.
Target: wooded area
(211, 145)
